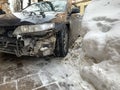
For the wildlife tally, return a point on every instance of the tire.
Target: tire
(62, 42)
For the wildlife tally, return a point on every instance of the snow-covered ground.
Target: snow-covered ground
(94, 67)
(50, 73)
(101, 32)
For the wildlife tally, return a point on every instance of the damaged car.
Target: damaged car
(41, 29)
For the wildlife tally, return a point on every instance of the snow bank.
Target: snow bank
(101, 31)
(101, 28)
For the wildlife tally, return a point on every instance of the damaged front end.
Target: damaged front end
(28, 40)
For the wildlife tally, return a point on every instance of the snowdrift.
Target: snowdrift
(101, 32)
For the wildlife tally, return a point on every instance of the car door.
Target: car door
(75, 26)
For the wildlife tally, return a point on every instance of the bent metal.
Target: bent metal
(41, 29)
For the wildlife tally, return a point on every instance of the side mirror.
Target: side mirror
(74, 10)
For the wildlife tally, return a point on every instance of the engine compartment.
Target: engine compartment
(31, 45)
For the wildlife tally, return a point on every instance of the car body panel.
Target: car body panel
(34, 33)
(75, 26)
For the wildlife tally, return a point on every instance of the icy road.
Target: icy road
(50, 73)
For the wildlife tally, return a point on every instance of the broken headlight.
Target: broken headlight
(30, 29)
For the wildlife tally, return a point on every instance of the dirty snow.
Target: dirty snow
(30, 73)
(94, 67)
(101, 43)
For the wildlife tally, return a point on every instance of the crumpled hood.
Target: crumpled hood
(8, 20)
(17, 19)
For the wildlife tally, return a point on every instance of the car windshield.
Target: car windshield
(47, 6)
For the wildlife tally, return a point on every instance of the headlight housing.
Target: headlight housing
(29, 29)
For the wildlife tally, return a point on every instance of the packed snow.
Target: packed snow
(101, 43)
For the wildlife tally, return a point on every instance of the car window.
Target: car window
(59, 6)
(46, 6)
(42, 7)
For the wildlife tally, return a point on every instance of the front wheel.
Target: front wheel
(62, 42)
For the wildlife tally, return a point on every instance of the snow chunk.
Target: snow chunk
(101, 32)
(101, 29)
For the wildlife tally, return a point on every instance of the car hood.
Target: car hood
(17, 19)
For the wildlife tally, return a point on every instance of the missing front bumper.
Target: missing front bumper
(34, 46)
